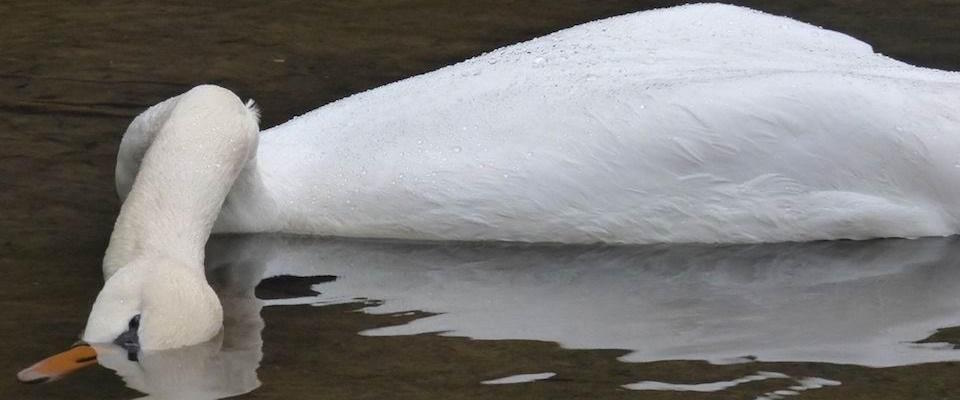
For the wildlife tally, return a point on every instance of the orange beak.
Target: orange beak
(55, 367)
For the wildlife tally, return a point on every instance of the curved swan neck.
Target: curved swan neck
(201, 142)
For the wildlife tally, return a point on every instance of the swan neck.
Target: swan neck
(185, 174)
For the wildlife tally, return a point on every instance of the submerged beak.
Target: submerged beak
(55, 367)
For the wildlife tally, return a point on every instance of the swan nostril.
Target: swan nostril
(86, 359)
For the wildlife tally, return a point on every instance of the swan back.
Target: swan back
(702, 123)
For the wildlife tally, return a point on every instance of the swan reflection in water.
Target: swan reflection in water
(843, 302)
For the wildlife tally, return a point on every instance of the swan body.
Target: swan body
(700, 123)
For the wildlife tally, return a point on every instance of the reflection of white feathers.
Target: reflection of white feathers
(841, 301)
(700, 123)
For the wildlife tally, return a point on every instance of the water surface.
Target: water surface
(755, 320)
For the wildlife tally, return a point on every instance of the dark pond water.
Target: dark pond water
(322, 318)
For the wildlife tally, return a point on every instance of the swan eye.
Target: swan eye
(134, 322)
(130, 340)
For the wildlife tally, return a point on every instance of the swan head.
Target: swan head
(155, 304)
(151, 304)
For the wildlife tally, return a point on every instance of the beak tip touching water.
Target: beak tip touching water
(30, 376)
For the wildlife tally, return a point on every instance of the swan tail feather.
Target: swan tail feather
(254, 110)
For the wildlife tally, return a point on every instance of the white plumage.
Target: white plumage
(702, 123)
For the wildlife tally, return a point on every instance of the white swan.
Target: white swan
(701, 123)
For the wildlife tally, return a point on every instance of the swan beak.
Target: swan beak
(55, 367)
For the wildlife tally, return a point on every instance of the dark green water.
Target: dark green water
(72, 75)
